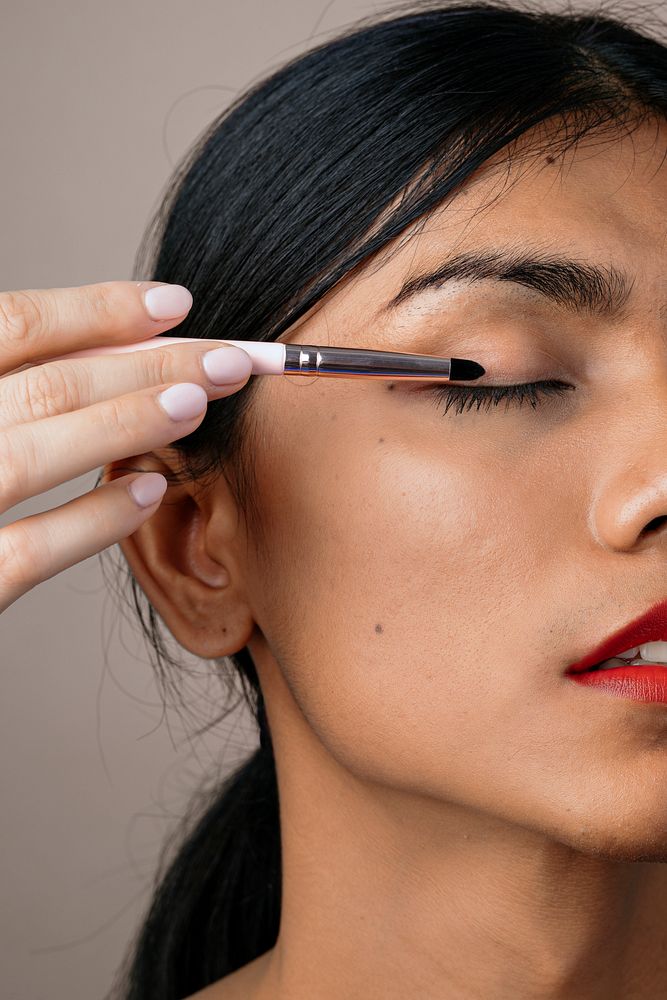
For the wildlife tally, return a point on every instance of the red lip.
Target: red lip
(651, 627)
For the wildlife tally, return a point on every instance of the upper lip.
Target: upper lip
(650, 627)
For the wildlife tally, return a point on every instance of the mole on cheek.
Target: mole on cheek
(379, 629)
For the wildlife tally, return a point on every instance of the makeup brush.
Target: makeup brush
(271, 358)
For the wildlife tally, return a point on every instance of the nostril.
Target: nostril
(656, 523)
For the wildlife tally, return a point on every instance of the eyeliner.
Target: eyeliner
(274, 358)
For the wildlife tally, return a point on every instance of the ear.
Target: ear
(186, 559)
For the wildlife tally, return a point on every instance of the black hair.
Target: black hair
(310, 172)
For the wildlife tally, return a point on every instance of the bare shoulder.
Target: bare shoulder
(243, 984)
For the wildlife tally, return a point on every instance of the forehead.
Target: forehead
(603, 200)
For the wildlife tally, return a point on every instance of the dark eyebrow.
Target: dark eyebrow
(579, 286)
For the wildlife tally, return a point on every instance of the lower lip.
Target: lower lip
(647, 683)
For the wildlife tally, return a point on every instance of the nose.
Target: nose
(629, 510)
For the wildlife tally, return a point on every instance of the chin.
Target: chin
(643, 838)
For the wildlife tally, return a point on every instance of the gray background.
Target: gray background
(98, 102)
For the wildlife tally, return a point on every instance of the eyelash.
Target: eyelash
(486, 396)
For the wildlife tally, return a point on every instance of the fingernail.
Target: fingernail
(183, 401)
(225, 365)
(167, 301)
(147, 488)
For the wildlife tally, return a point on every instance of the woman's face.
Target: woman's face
(426, 578)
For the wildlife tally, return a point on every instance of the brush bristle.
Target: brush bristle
(461, 370)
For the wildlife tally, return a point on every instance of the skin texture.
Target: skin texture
(459, 819)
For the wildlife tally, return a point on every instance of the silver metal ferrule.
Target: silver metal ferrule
(336, 362)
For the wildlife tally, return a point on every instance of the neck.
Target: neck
(389, 894)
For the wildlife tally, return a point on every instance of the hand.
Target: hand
(61, 419)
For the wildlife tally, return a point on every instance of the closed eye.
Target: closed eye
(465, 397)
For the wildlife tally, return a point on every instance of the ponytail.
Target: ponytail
(217, 906)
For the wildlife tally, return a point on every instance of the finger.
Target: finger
(62, 386)
(40, 546)
(36, 323)
(37, 456)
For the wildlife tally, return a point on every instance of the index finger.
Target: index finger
(38, 323)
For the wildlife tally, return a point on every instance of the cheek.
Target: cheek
(398, 583)
(413, 592)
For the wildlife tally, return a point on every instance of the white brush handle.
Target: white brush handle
(267, 358)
